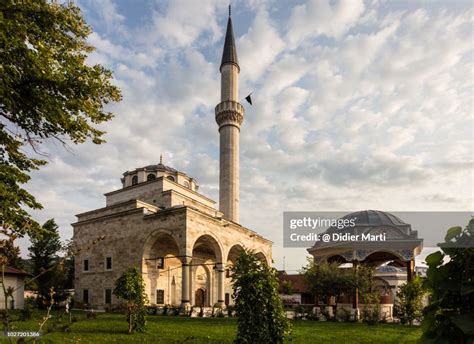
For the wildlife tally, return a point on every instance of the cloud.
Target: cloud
(179, 26)
(320, 17)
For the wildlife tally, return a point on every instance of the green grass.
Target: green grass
(111, 328)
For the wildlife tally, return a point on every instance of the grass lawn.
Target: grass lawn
(111, 328)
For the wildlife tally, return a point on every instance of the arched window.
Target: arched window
(151, 176)
(187, 184)
(134, 180)
(171, 178)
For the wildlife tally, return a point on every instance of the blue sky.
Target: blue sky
(357, 105)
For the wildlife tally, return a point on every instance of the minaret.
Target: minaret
(229, 117)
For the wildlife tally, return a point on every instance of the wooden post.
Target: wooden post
(410, 269)
(355, 300)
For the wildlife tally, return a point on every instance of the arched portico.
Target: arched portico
(206, 282)
(161, 268)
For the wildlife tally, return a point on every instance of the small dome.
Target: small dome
(375, 218)
(160, 167)
(370, 219)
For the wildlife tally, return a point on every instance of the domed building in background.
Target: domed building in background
(393, 257)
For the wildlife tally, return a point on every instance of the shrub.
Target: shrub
(261, 318)
(408, 306)
(27, 312)
(131, 289)
(371, 310)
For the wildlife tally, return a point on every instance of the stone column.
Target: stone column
(185, 290)
(220, 285)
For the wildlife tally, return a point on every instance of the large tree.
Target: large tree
(47, 91)
(45, 260)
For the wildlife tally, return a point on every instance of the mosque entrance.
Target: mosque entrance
(200, 297)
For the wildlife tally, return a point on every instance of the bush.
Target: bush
(408, 306)
(131, 289)
(371, 310)
(260, 314)
(27, 312)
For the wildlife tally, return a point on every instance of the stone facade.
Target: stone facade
(160, 223)
(196, 243)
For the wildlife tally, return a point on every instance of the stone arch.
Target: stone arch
(208, 253)
(202, 282)
(262, 257)
(209, 245)
(161, 266)
(152, 238)
(234, 252)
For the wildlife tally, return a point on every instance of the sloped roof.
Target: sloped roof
(13, 271)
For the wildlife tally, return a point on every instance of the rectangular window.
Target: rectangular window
(85, 296)
(86, 264)
(160, 296)
(108, 296)
(227, 299)
(108, 263)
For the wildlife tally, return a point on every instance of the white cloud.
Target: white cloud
(320, 17)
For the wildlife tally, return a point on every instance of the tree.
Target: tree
(44, 250)
(47, 91)
(131, 289)
(329, 279)
(10, 254)
(450, 314)
(286, 288)
(409, 306)
(261, 318)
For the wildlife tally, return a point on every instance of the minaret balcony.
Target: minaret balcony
(229, 112)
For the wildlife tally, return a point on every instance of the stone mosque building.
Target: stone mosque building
(160, 222)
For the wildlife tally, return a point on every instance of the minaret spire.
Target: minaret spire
(229, 54)
(229, 117)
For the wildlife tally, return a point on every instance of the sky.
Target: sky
(357, 105)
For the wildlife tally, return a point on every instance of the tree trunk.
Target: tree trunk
(130, 320)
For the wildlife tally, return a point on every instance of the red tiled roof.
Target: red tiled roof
(297, 281)
(13, 271)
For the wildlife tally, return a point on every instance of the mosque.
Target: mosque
(161, 223)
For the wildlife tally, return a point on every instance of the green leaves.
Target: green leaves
(434, 259)
(450, 315)
(261, 318)
(130, 287)
(409, 305)
(452, 233)
(47, 91)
